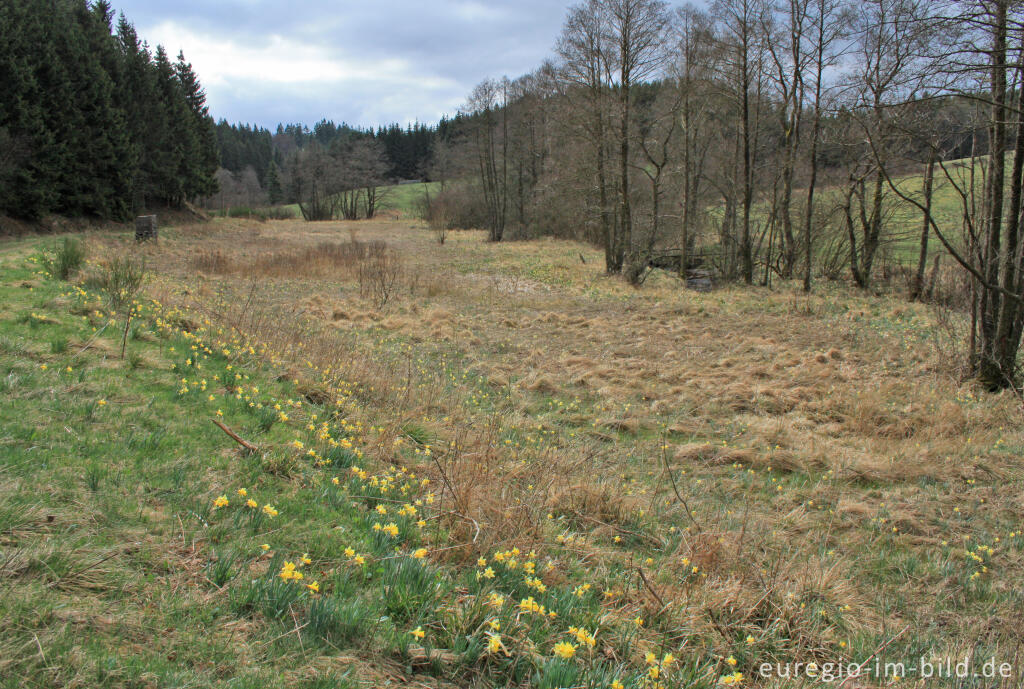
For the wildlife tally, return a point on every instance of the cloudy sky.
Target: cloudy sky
(363, 62)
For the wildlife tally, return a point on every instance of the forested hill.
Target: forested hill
(92, 122)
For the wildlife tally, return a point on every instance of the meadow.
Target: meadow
(289, 454)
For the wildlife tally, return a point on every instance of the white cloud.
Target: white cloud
(279, 60)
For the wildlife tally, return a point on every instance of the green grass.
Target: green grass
(129, 556)
(405, 198)
(114, 561)
(401, 198)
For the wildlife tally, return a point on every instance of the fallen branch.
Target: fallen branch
(643, 577)
(234, 436)
(675, 488)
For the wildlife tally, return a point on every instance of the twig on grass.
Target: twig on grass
(234, 436)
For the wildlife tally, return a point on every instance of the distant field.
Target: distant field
(512, 470)
(399, 198)
(404, 198)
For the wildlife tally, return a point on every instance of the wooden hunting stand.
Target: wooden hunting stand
(145, 228)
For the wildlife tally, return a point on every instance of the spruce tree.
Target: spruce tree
(30, 189)
(273, 184)
(201, 159)
(147, 121)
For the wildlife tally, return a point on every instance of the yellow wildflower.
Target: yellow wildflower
(564, 650)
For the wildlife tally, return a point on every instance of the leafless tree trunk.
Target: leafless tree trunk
(638, 31)
(828, 29)
(740, 19)
(488, 103)
(917, 289)
(697, 62)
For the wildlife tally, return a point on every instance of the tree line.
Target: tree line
(767, 139)
(92, 122)
(260, 166)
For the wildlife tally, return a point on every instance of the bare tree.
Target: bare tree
(890, 36)
(784, 31)
(987, 50)
(317, 181)
(638, 36)
(740, 20)
(657, 128)
(828, 20)
(696, 63)
(488, 107)
(369, 167)
(584, 50)
(250, 183)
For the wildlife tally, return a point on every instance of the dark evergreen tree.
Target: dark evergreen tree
(96, 179)
(275, 193)
(92, 124)
(202, 161)
(31, 189)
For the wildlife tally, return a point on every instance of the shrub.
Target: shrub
(457, 207)
(379, 274)
(121, 278)
(246, 212)
(65, 259)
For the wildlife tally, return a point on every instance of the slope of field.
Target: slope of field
(498, 465)
(397, 200)
(404, 199)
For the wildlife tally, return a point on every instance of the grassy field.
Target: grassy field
(396, 201)
(478, 465)
(404, 199)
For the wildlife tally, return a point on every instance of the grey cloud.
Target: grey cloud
(448, 45)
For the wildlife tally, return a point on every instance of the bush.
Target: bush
(379, 274)
(121, 278)
(260, 214)
(65, 259)
(456, 208)
(244, 212)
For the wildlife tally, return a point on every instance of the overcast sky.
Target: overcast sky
(363, 62)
